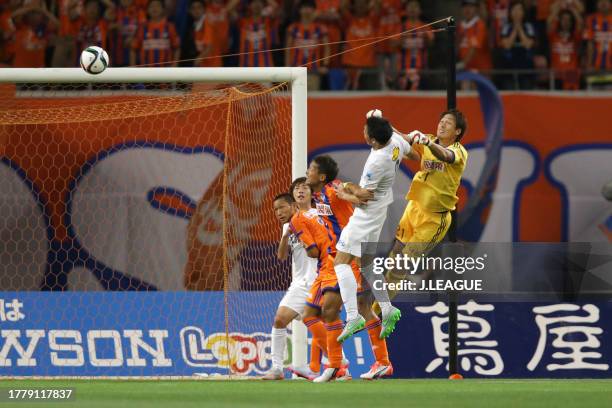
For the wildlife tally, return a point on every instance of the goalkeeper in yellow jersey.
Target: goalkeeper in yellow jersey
(433, 192)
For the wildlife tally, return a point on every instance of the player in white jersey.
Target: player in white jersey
(365, 225)
(304, 273)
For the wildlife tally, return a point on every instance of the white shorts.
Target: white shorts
(295, 298)
(361, 227)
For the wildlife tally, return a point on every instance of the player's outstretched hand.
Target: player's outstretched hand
(377, 113)
(418, 137)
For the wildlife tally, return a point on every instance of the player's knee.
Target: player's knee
(364, 305)
(330, 313)
(280, 322)
(342, 259)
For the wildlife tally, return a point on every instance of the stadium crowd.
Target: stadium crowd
(517, 39)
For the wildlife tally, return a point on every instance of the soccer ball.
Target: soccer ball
(94, 60)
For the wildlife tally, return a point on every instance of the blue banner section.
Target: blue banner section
(183, 333)
(506, 339)
(142, 334)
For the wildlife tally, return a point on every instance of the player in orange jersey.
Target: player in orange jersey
(336, 207)
(304, 272)
(322, 300)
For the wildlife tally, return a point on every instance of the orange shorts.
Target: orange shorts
(327, 281)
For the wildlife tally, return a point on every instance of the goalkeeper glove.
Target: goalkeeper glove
(419, 138)
(377, 113)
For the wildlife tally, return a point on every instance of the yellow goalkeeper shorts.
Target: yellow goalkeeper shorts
(420, 229)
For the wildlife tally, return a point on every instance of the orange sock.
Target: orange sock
(379, 346)
(319, 342)
(334, 348)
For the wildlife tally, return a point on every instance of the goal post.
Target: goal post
(296, 79)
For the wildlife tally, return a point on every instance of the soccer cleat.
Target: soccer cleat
(304, 372)
(329, 374)
(351, 327)
(377, 370)
(388, 322)
(344, 374)
(274, 374)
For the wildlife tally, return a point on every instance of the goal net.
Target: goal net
(137, 236)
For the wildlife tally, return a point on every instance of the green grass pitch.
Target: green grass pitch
(352, 394)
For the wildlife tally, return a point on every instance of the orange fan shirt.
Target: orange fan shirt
(389, 23)
(91, 34)
(128, 20)
(543, 9)
(156, 40)
(598, 29)
(7, 32)
(306, 37)
(358, 28)
(334, 32)
(413, 47)
(564, 49)
(256, 35)
(498, 12)
(473, 34)
(70, 26)
(7, 28)
(29, 48)
(215, 34)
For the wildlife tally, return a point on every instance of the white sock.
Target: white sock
(385, 307)
(348, 289)
(382, 297)
(279, 340)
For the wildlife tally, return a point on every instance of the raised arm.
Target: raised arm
(440, 152)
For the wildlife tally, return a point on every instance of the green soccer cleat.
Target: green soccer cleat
(389, 321)
(351, 327)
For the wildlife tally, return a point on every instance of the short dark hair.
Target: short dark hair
(460, 121)
(149, 2)
(307, 3)
(379, 129)
(327, 166)
(517, 3)
(572, 20)
(284, 196)
(92, 1)
(296, 182)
